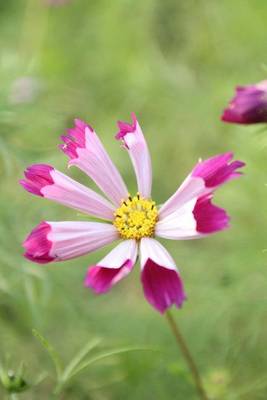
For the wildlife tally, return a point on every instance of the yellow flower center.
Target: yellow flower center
(136, 218)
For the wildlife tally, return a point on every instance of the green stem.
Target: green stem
(187, 356)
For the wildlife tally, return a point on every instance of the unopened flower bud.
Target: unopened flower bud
(13, 382)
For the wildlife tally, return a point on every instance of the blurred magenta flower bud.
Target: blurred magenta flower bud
(24, 90)
(13, 382)
(248, 106)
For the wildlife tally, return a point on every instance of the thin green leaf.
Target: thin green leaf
(102, 356)
(253, 387)
(51, 351)
(40, 378)
(78, 358)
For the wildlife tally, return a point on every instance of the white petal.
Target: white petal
(72, 194)
(180, 225)
(126, 250)
(112, 268)
(87, 152)
(135, 143)
(152, 249)
(72, 239)
(190, 189)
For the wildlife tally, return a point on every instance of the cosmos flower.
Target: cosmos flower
(134, 220)
(249, 106)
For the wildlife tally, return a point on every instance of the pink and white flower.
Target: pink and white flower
(134, 221)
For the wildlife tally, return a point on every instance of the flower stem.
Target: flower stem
(187, 356)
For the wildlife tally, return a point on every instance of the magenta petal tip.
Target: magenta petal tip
(37, 177)
(75, 138)
(209, 218)
(37, 244)
(101, 279)
(163, 287)
(217, 170)
(125, 127)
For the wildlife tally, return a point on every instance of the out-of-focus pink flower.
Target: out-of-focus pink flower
(24, 90)
(249, 105)
(134, 220)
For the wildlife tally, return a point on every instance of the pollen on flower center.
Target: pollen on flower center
(136, 218)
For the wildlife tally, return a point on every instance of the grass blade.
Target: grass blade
(78, 358)
(102, 356)
(51, 351)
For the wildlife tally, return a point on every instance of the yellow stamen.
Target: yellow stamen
(136, 218)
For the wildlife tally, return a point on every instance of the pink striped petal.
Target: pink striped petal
(207, 176)
(112, 268)
(44, 180)
(85, 150)
(134, 142)
(190, 189)
(217, 170)
(38, 246)
(162, 284)
(37, 176)
(193, 220)
(209, 218)
(58, 241)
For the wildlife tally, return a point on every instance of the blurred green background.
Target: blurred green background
(175, 64)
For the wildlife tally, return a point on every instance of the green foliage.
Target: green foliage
(175, 63)
(13, 382)
(80, 362)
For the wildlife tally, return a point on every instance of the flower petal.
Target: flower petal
(193, 220)
(209, 218)
(134, 142)
(38, 246)
(218, 170)
(86, 151)
(58, 241)
(161, 281)
(206, 176)
(189, 189)
(43, 180)
(37, 176)
(112, 268)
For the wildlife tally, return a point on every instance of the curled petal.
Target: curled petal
(134, 142)
(44, 180)
(58, 241)
(248, 106)
(217, 170)
(85, 150)
(162, 284)
(112, 268)
(206, 176)
(38, 246)
(37, 177)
